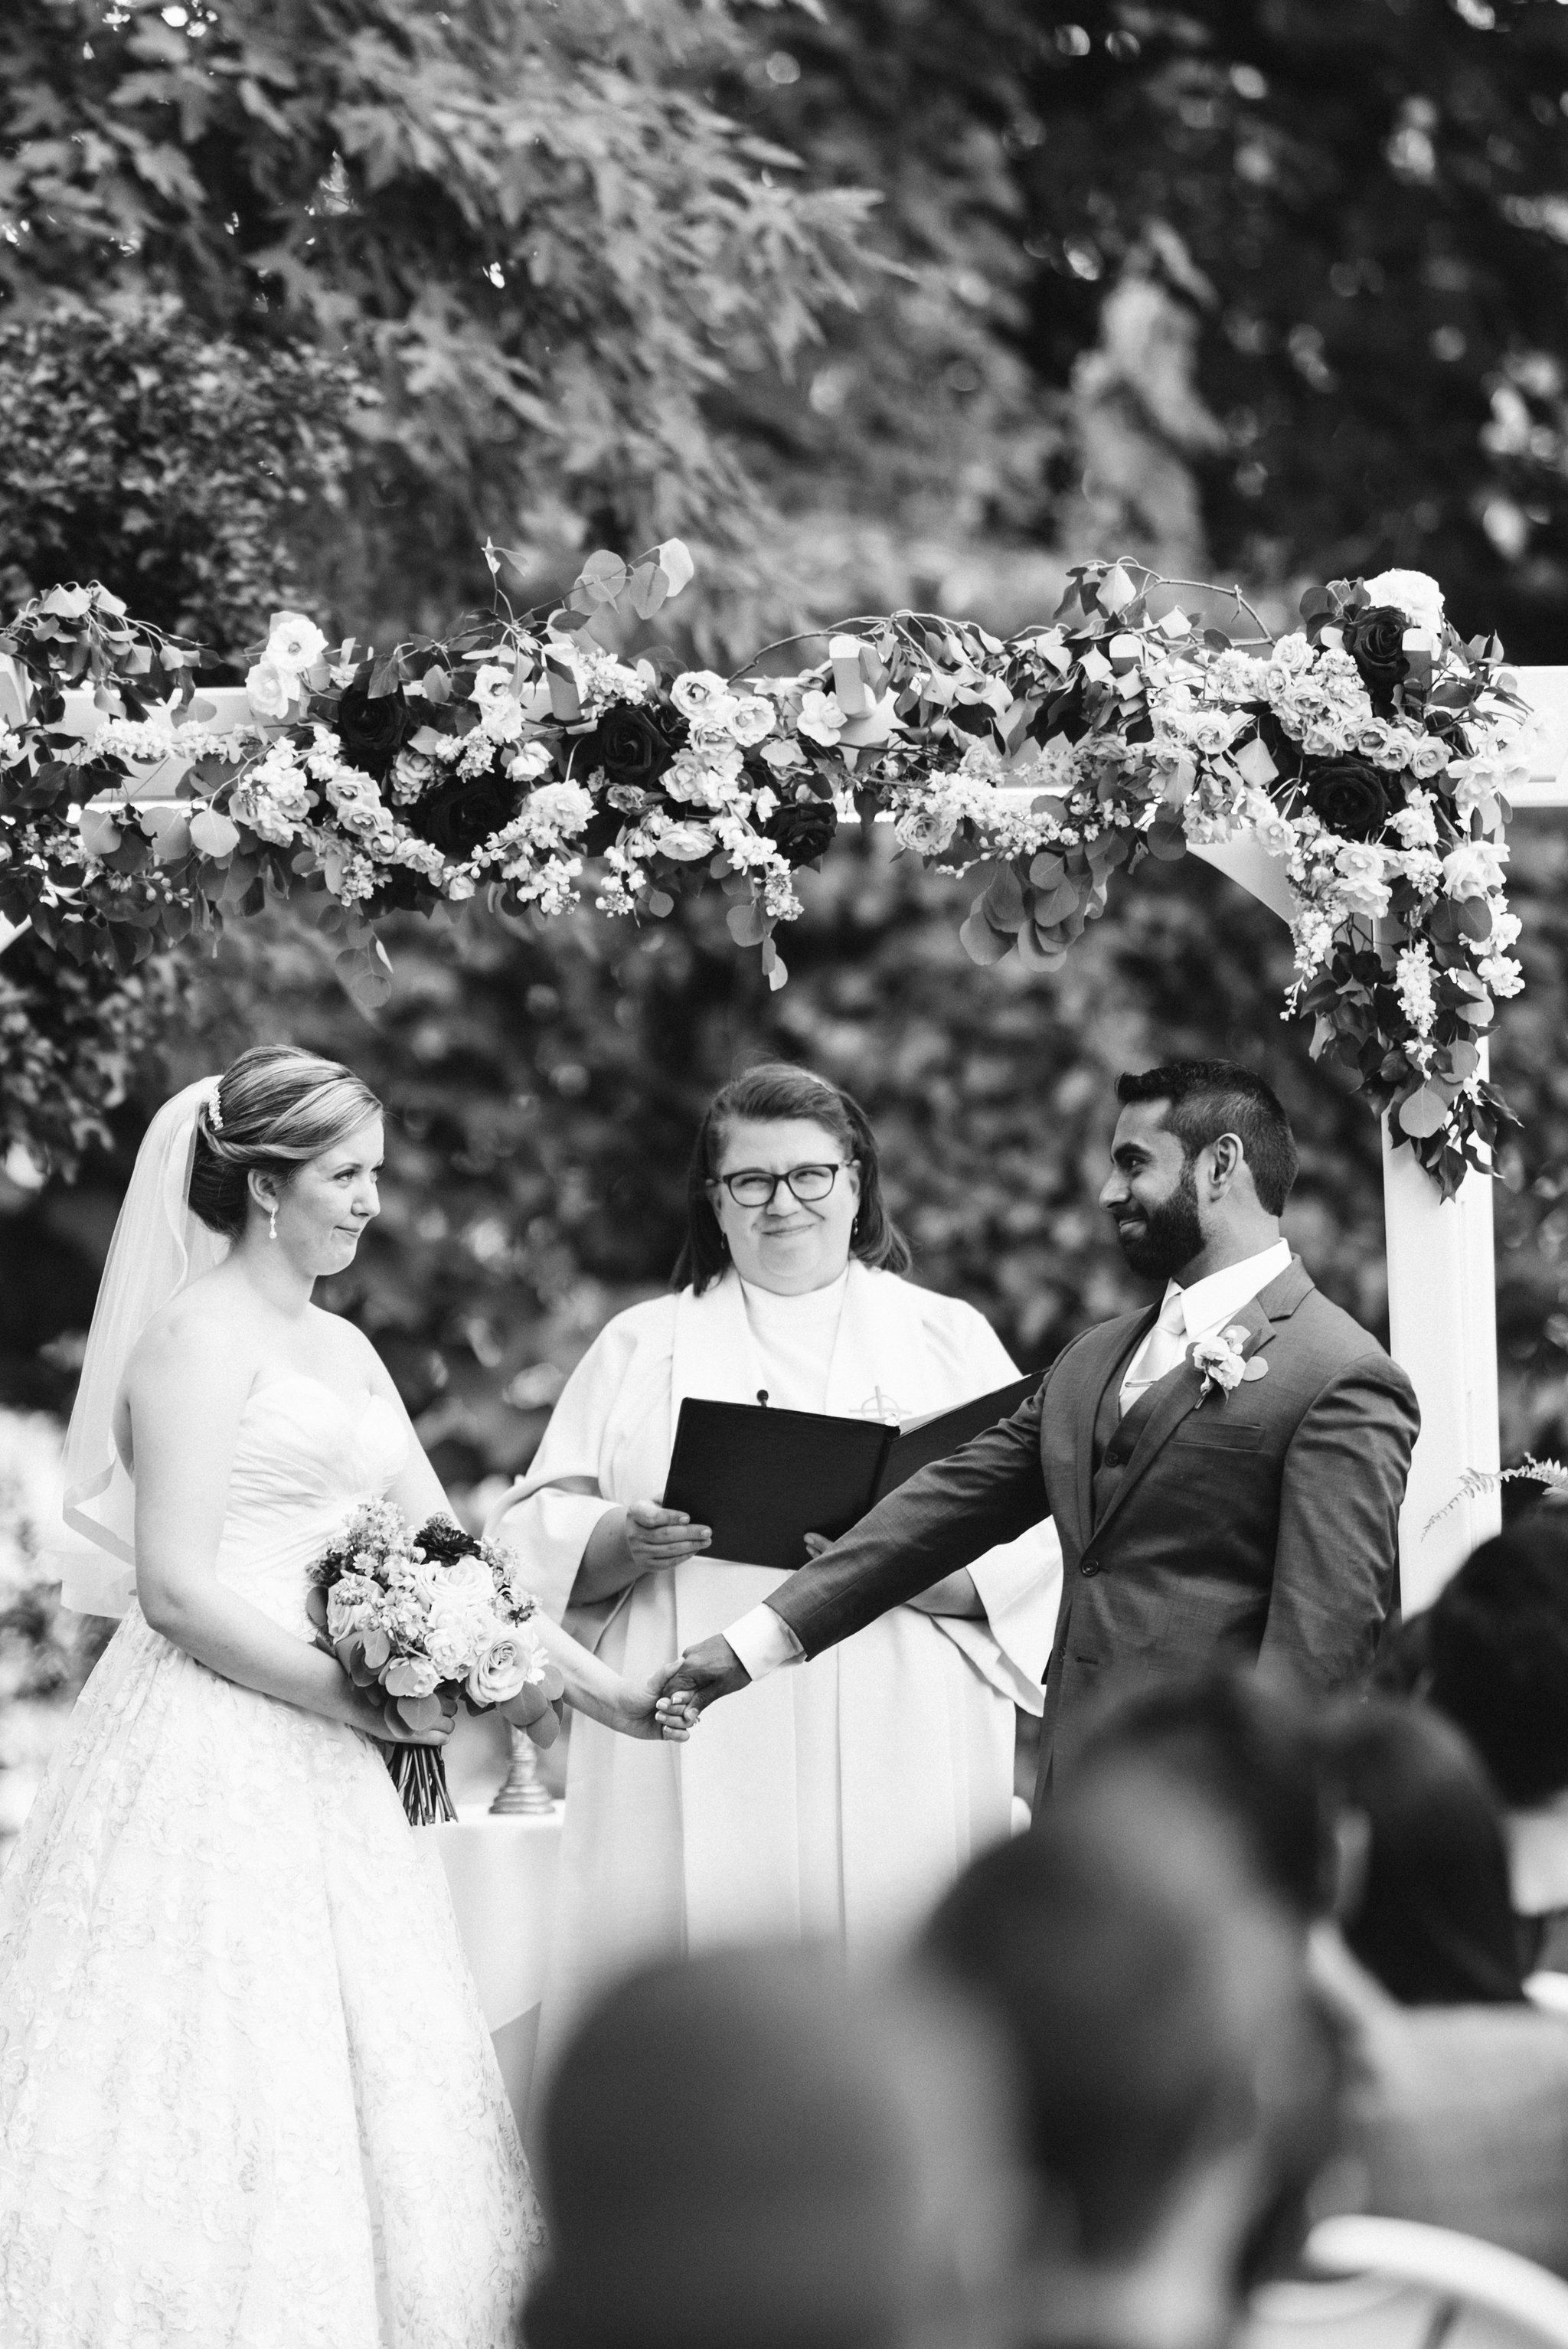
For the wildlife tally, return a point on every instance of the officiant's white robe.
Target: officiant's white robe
(838, 1800)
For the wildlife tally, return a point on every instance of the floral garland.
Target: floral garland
(1371, 751)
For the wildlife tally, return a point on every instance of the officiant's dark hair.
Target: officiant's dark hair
(777, 1089)
(276, 1107)
(1207, 1098)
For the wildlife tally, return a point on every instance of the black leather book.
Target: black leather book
(763, 1479)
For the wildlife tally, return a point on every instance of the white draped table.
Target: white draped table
(501, 1874)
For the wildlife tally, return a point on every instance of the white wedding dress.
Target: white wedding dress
(247, 2098)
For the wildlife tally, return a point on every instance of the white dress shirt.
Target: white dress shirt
(1205, 1309)
(764, 1642)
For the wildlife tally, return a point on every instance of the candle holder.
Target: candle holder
(522, 1792)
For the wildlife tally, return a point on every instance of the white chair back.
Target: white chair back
(1389, 2283)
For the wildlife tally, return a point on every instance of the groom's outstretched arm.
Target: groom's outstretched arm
(951, 1513)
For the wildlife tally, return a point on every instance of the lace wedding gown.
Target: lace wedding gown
(247, 2098)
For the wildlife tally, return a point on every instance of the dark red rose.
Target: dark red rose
(802, 828)
(439, 1538)
(1351, 797)
(455, 815)
(632, 745)
(372, 733)
(1375, 639)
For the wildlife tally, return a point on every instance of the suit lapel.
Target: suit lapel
(1102, 1356)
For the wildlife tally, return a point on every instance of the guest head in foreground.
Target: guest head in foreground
(1202, 1162)
(1245, 1748)
(749, 2149)
(1497, 1656)
(1179, 2082)
(287, 1149)
(786, 1184)
(1423, 1899)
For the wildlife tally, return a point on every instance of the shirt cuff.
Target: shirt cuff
(764, 1642)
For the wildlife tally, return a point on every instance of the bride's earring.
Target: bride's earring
(272, 1225)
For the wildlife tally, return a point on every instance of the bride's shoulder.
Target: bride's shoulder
(204, 1330)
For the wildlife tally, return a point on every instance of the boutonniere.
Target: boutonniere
(1224, 1361)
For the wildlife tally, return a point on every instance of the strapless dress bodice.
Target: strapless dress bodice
(304, 1458)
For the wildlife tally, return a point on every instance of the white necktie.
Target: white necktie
(1159, 1352)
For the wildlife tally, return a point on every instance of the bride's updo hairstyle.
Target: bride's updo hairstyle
(763, 1095)
(277, 1107)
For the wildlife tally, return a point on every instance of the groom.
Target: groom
(1226, 1468)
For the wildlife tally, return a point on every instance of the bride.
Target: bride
(247, 2098)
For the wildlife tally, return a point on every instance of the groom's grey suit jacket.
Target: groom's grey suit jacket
(1259, 1523)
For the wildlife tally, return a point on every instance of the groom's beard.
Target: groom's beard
(1158, 1241)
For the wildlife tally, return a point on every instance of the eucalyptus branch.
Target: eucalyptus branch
(1210, 588)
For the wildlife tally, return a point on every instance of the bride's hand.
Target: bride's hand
(638, 1712)
(380, 1720)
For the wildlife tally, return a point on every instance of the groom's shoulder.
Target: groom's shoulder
(1336, 1338)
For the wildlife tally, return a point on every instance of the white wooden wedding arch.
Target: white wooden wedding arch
(1442, 1307)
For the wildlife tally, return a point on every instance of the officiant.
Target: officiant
(844, 1797)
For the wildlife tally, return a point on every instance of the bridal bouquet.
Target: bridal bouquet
(429, 1620)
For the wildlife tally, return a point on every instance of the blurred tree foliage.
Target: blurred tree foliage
(526, 224)
(1357, 205)
(184, 468)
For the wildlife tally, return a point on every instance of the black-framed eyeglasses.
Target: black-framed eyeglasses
(753, 1186)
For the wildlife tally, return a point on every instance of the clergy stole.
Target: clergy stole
(767, 1836)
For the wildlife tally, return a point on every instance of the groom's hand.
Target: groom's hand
(710, 1669)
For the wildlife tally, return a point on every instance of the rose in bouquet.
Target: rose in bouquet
(428, 1621)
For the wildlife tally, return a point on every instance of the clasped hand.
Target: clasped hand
(709, 1671)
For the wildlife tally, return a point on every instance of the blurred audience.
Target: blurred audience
(1423, 1897)
(1496, 1657)
(1177, 2078)
(1453, 2114)
(1249, 1958)
(1241, 1745)
(747, 2151)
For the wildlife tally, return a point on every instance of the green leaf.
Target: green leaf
(647, 589)
(601, 579)
(1426, 1112)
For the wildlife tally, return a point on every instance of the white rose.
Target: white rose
(468, 1578)
(751, 719)
(1414, 592)
(1474, 869)
(564, 807)
(269, 687)
(1428, 758)
(925, 831)
(295, 643)
(784, 754)
(505, 1667)
(686, 842)
(699, 694)
(411, 1676)
(1363, 887)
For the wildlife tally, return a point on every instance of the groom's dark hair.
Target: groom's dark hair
(1207, 1098)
